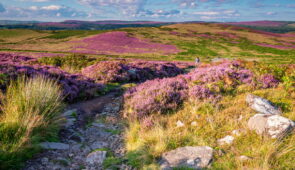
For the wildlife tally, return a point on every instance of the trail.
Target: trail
(93, 128)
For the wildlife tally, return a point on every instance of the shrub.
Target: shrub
(269, 81)
(139, 71)
(72, 63)
(73, 86)
(107, 71)
(29, 104)
(155, 96)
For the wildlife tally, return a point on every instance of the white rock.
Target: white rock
(96, 157)
(261, 105)
(274, 126)
(194, 123)
(189, 156)
(236, 132)
(227, 140)
(54, 145)
(244, 158)
(179, 124)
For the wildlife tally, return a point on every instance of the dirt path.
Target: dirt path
(93, 131)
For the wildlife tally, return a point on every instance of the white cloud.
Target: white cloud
(51, 7)
(206, 13)
(270, 13)
(158, 13)
(125, 7)
(218, 14)
(43, 12)
(38, 0)
(186, 3)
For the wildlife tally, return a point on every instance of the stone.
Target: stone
(194, 123)
(98, 145)
(70, 122)
(274, 126)
(96, 157)
(244, 158)
(44, 161)
(227, 140)
(54, 145)
(261, 105)
(189, 156)
(179, 124)
(236, 132)
(69, 113)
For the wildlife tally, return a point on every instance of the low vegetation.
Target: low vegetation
(29, 111)
(206, 105)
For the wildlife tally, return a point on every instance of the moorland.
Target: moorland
(128, 95)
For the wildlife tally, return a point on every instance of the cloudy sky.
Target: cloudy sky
(157, 10)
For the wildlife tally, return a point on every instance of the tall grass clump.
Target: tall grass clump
(28, 115)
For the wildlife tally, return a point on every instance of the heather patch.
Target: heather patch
(155, 96)
(207, 83)
(73, 85)
(138, 71)
(276, 46)
(119, 42)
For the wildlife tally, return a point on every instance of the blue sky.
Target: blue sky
(156, 10)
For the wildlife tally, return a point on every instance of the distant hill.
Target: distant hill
(270, 26)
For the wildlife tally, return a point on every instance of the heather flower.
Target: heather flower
(269, 81)
(155, 96)
(200, 92)
(119, 42)
(73, 85)
(139, 71)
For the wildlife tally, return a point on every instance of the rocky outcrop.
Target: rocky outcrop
(261, 105)
(274, 126)
(189, 156)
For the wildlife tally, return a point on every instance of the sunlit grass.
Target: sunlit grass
(28, 112)
(215, 122)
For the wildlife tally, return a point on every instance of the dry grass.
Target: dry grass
(213, 123)
(29, 105)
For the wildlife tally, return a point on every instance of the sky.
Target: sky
(152, 10)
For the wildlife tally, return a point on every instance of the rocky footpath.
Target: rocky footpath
(93, 130)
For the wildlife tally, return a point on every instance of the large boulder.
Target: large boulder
(189, 156)
(262, 105)
(274, 126)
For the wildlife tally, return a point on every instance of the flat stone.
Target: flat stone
(244, 158)
(189, 156)
(96, 157)
(227, 140)
(179, 124)
(98, 145)
(70, 122)
(54, 145)
(69, 113)
(274, 126)
(261, 105)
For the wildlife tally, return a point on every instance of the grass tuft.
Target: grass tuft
(28, 115)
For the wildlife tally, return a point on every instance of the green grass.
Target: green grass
(28, 116)
(70, 33)
(70, 63)
(214, 121)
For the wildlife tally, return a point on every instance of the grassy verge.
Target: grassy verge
(28, 116)
(212, 123)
